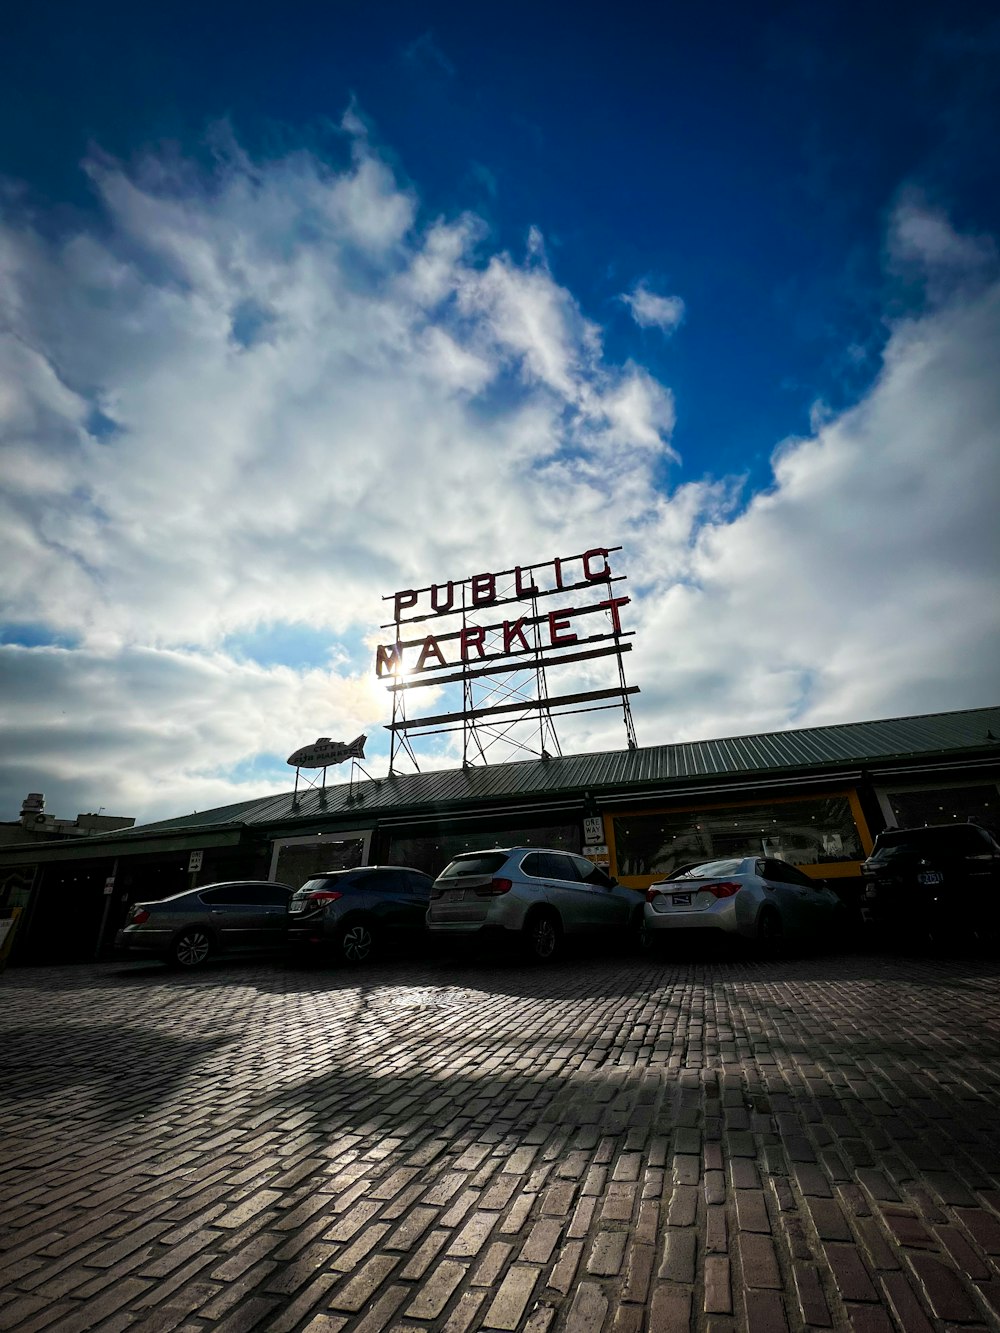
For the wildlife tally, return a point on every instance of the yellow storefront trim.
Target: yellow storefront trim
(820, 870)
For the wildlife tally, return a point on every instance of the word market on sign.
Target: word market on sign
(484, 590)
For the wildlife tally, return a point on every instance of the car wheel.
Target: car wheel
(650, 941)
(356, 943)
(191, 948)
(770, 934)
(541, 938)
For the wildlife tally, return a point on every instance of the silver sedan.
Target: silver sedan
(752, 897)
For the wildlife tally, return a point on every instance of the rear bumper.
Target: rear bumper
(301, 939)
(147, 941)
(723, 918)
(479, 929)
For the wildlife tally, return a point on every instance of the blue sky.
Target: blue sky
(303, 306)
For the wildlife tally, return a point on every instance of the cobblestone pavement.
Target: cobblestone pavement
(611, 1144)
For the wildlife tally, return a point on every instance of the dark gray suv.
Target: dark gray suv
(360, 913)
(937, 882)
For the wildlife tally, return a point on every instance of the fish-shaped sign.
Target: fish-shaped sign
(324, 752)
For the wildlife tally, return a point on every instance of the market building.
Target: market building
(815, 797)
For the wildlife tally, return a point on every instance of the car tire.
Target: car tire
(650, 942)
(541, 937)
(770, 933)
(191, 948)
(356, 943)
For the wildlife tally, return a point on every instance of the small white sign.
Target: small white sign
(109, 886)
(593, 829)
(194, 862)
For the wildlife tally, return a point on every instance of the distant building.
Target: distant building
(35, 825)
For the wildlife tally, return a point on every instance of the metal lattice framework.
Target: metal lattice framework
(499, 692)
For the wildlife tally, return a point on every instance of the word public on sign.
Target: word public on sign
(513, 634)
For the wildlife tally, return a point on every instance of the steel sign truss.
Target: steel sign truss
(492, 673)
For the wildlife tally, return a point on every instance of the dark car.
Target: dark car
(360, 913)
(938, 882)
(188, 928)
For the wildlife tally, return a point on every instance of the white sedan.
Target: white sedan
(752, 897)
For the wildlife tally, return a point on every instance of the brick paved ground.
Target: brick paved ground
(604, 1145)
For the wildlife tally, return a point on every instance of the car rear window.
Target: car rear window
(962, 838)
(481, 863)
(339, 879)
(708, 870)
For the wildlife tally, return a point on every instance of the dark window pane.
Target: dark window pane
(958, 840)
(432, 852)
(276, 896)
(247, 895)
(589, 873)
(945, 805)
(302, 861)
(379, 881)
(555, 866)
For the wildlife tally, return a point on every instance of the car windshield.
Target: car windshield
(709, 870)
(482, 863)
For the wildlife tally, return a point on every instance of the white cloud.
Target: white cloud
(268, 398)
(652, 311)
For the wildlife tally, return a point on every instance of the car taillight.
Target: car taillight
(323, 896)
(652, 892)
(499, 886)
(724, 889)
(138, 916)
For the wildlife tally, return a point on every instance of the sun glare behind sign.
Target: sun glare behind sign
(486, 640)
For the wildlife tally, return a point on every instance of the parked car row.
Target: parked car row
(930, 883)
(534, 897)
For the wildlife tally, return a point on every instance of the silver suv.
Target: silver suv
(532, 894)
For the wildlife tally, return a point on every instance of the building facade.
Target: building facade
(815, 797)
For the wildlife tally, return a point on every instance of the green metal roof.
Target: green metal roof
(619, 775)
(931, 737)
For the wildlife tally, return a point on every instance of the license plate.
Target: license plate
(454, 895)
(297, 906)
(681, 899)
(929, 877)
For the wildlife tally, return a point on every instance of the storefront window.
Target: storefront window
(806, 832)
(431, 853)
(947, 805)
(299, 861)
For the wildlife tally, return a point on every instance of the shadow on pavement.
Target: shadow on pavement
(127, 1071)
